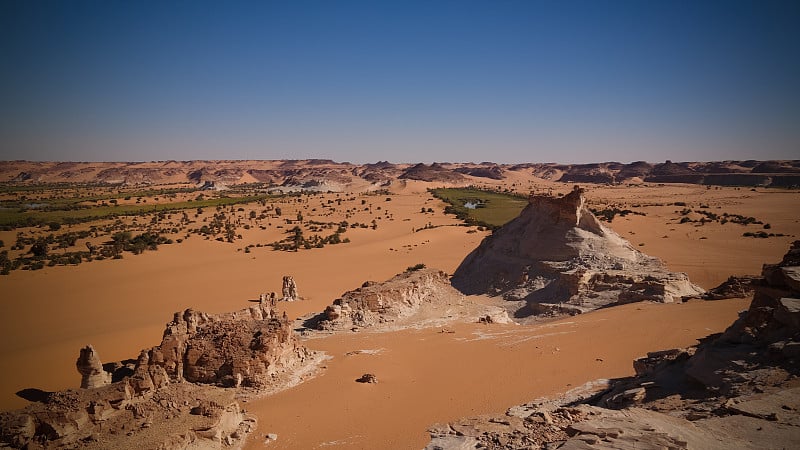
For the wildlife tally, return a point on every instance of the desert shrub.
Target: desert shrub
(609, 213)
(415, 267)
(5, 263)
(40, 248)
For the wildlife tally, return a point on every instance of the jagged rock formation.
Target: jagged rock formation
(245, 348)
(171, 397)
(739, 389)
(289, 289)
(398, 298)
(91, 369)
(559, 258)
(733, 287)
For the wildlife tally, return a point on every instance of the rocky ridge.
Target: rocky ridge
(738, 389)
(557, 257)
(321, 175)
(433, 173)
(411, 298)
(179, 394)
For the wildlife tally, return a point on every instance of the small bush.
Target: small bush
(415, 267)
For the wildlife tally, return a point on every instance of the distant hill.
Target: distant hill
(324, 174)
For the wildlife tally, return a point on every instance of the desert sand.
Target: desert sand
(425, 376)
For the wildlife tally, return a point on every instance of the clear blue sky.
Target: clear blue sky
(405, 81)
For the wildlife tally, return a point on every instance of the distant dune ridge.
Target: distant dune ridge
(558, 258)
(334, 176)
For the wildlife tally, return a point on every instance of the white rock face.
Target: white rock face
(417, 298)
(397, 298)
(559, 258)
(91, 369)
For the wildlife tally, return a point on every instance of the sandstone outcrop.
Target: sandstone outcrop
(733, 287)
(423, 293)
(738, 389)
(178, 416)
(289, 289)
(171, 397)
(245, 348)
(91, 369)
(559, 258)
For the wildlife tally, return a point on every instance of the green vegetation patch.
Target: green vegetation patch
(478, 207)
(14, 218)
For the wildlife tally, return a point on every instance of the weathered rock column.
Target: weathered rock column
(289, 289)
(91, 369)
